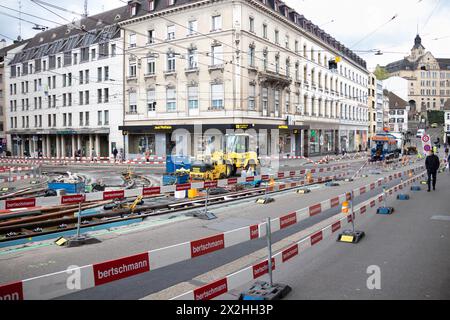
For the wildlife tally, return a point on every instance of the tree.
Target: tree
(381, 73)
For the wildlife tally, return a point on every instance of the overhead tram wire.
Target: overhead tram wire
(21, 19)
(2, 35)
(374, 31)
(431, 14)
(28, 14)
(185, 48)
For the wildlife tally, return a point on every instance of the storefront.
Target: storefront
(160, 140)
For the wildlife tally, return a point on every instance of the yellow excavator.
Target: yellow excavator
(222, 164)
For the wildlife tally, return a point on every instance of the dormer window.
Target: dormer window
(286, 11)
(151, 5)
(276, 6)
(170, 2)
(133, 10)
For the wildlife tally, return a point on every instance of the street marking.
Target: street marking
(441, 218)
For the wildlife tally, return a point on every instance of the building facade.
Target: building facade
(7, 53)
(398, 114)
(447, 122)
(239, 65)
(64, 90)
(372, 104)
(428, 78)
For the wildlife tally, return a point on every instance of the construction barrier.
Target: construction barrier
(240, 278)
(149, 191)
(54, 285)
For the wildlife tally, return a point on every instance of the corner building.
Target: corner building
(64, 89)
(236, 65)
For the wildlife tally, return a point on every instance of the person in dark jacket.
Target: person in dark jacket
(432, 165)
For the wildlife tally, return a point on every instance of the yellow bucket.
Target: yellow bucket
(192, 193)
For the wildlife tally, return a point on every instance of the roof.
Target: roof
(87, 31)
(403, 64)
(283, 10)
(60, 39)
(444, 64)
(4, 51)
(395, 102)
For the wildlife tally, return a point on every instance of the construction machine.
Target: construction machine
(224, 163)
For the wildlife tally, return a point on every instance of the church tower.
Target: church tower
(418, 50)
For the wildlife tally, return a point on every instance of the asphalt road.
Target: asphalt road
(142, 285)
(411, 248)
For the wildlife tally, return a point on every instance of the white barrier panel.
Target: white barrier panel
(58, 284)
(169, 255)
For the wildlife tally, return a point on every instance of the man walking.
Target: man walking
(432, 165)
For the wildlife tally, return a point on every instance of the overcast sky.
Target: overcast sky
(353, 21)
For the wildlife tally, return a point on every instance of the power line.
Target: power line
(28, 14)
(21, 19)
(431, 14)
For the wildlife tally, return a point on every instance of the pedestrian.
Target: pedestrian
(432, 165)
(446, 152)
(448, 163)
(93, 155)
(147, 155)
(115, 152)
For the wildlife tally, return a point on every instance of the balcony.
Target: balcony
(275, 78)
(216, 67)
(192, 69)
(171, 72)
(150, 75)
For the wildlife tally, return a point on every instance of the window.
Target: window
(151, 65)
(251, 97)
(192, 59)
(170, 32)
(132, 40)
(288, 102)
(86, 76)
(151, 36)
(99, 95)
(75, 59)
(106, 95)
(59, 62)
(106, 114)
(251, 22)
(216, 55)
(151, 100)
(132, 70)
(216, 23)
(99, 74)
(113, 50)
(54, 120)
(171, 100)
(64, 100)
(103, 50)
(217, 97)
(170, 62)
(277, 64)
(52, 62)
(84, 54)
(86, 97)
(192, 27)
(133, 10)
(265, 31)
(277, 102)
(193, 98)
(265, 60)
(133, 102)
(86, 118)
(81, 75)
(81, 119)
(64, 120)
(70, 119)
(69, 98)
(251, 56)
(151, 5)
(106, 73)
(69, 79)
(99, 118)
(286, 42)
(265, 100)
(277, 37)
(80, 98)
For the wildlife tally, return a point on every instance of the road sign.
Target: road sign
(425, 138)
(427, 148)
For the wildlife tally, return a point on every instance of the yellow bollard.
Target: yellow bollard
(345, 207)
(192, 193)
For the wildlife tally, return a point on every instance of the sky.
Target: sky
(361, 25)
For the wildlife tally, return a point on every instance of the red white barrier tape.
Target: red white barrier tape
(54, 285)
(149, 191)
(251, 273)
(19, 178)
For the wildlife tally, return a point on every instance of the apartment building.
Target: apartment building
(64, 89)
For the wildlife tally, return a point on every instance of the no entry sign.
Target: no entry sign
(426, 138)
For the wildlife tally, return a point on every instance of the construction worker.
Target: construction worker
(432, 164)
